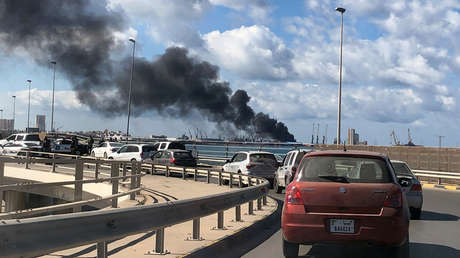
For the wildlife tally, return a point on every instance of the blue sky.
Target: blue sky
(401, 65)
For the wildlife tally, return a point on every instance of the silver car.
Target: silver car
(413, 190)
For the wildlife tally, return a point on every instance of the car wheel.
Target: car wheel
(105, 155)
(110, 157)
(133, 160)
(415, 213)
(400, 251)
(276, 186)
(290, 249)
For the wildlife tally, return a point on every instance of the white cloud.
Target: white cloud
(258, 10)
(250, 52)
(64, 99)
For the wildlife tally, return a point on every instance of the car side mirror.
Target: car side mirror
(404, 182)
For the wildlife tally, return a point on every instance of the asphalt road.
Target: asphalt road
(436, 234)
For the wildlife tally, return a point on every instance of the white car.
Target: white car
(257, 163)
(159, 146)
(413, 190)
(286, 171)
(18, 149)
(133, 152)
(105, 148)
(32, 138)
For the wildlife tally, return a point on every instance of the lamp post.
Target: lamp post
(14, 110)
(52, 98)
(28, 109)
(130, 87)
(339, 105)
(1, 110)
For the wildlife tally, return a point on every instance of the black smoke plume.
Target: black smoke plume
(79, 35)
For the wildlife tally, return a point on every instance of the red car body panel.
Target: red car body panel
(308, 221)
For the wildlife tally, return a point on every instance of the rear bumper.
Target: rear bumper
(380, 229)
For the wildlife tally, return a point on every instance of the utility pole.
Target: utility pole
(52, 99)
(339, 97)
(313, 134)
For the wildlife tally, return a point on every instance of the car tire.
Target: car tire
(105, 155)
(110, 157)
(415, 213)
(402, 251)
(290, 250)
(276, 186)
(133, 160)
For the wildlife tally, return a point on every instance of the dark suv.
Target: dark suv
(174, 158)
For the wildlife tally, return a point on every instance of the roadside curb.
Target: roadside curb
(241, 242)
(446, 187)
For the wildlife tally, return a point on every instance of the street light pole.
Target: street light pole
(339, 105)
(14, 110)
(130, 88)
(28, 109)
(52, 101)
(1, 117)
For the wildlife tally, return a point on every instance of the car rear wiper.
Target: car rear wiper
(335, 178)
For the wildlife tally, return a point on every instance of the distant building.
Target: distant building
(7, 125)
(353, 137)
(40, 123)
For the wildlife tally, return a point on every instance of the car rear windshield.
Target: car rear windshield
(401, 169)
(32, 137)
(344, 169)
(183, 155)
(262, 157)
(148, 148)
(176, 145)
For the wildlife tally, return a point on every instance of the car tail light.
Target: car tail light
(294, 196)
(416, 188)
(249, 166)
(394, 200)
(172, 160)
(141, 154)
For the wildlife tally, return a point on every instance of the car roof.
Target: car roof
(350, 153)
(255, 152)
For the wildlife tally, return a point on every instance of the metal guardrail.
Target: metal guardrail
(24, 237)
(437, 174)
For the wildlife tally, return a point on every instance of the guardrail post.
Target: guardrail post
(220, 178)
(167, 171)
(124, 171)
(230, 181)
(264, 200)
(27, 159)
(153, 169)
(54, 163)
(115, 171)
(196, 229)
(439, 181)
(259, 204)
(101, 249)
(251, 208)
(240, 182)
(238, 213)
(138, 178)
(96, 169)
(183, 173)
(2, 175)
(195, 175)
(220, 220)
(249, 181)
(208, 176)
(159, 242)
(133, 178)
(78, 189)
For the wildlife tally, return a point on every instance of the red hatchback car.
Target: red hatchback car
(346, 197)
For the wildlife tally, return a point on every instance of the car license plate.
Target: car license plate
(342, 226)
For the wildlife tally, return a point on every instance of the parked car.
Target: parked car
(19, 149)
(257, 163)
(346, 197)
(22, 138)
(133, 152)
(169, 145)
(284, 174)
(413, 191)
(105, 148)
(174, 158)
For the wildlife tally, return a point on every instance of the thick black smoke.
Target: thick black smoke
(79, 35)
